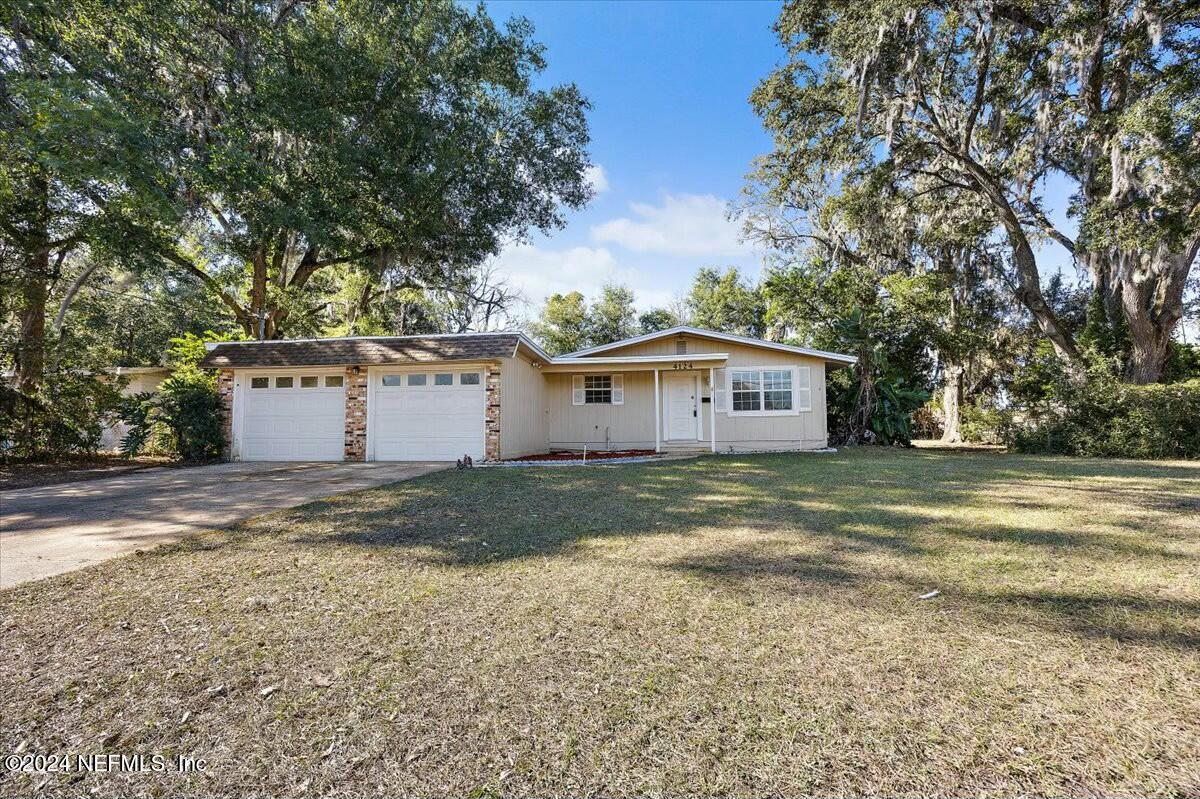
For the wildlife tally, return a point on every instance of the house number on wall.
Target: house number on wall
(682, 365)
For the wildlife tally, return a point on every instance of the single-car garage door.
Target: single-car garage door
(433, 415)
(292, 417)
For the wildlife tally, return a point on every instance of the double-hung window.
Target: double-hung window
(598, 390)
(766, 391)
(747, 390)
(777, 389)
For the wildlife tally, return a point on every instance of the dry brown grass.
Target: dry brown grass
(731, 625)
(27, 474)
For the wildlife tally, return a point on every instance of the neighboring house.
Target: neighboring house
(499, 395)
(141, 379)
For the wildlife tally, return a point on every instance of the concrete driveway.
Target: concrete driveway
(58, 528)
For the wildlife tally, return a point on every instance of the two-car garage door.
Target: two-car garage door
(434, 415)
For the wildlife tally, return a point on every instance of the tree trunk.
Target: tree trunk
(1029, 293)
(31, 318)
(35, 277)
(258, 292)
(1153, 304)
(1145, 290)
(952, 393)
(1028, 290)
(69, 297)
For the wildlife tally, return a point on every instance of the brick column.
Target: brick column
(356, 415)
(491, 424)
(225, 395)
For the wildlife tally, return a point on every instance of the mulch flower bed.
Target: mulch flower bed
(600, 455)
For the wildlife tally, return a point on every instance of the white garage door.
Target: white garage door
(428, 416)
(292, 417)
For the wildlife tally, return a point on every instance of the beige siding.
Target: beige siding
(805, 430)
(628, 426)
(666, 346)
(573, 425)
(739, 354)
(523, 393)
(112, 434)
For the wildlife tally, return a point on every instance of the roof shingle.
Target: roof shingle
(361, 351)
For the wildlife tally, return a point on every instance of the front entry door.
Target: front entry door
(682, 417)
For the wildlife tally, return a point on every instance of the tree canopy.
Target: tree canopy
(407, 140)
(976, 106)
(304, 163)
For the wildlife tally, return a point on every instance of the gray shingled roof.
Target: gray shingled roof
(361, 351)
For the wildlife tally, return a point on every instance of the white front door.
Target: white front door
(682, 418)
(434, 414)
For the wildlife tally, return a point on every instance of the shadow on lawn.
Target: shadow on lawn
(548, 512)
(1126, 618)
(912, 513)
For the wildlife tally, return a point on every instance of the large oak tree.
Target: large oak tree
(407, 138)
(81, 136)
(981, 103)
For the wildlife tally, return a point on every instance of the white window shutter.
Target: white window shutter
(720, 391)
(618, 389)
(577, 389)
(803, 389)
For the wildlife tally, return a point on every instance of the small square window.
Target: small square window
(333, 381)
(260, 382)
(308, 381)
(284, 382)
(443, 379)
(391, 380)
(416, 380)
(681, 346)
(468, 378)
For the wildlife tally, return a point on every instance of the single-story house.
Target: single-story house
(497, 396)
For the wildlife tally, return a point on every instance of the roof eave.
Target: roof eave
(836, 357)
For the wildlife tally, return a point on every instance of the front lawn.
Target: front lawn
(729, 625)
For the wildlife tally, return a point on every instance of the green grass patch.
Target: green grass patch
(723, 626)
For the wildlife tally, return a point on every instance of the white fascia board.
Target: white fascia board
(697, 356)
(696, 331)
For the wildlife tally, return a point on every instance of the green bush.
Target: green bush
(65, 417)
(182, 419)
(1106, 418)
(984, 425)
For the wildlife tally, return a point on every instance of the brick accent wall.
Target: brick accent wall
(491, 423)
(356, 415)
(225, 394)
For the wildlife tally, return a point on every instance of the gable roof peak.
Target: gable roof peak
(836, 357)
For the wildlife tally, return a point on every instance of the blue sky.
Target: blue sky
(673, 137)
(672, 132)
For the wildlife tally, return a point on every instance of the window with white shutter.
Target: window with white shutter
(597, 389)
(718, 391)
(803, 389)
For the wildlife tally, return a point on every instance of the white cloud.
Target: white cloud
(685, 224)
(538, 273)
(597, 178)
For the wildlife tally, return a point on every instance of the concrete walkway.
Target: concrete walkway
(58, 528)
